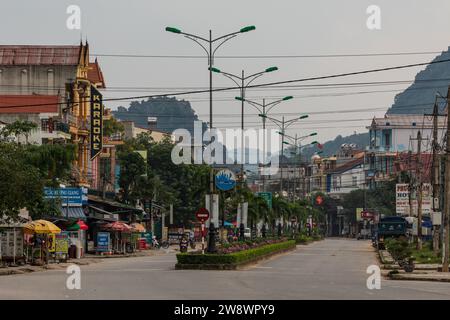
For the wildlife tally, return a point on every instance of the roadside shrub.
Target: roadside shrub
(303, 239)
(399, 248)
(235, 257)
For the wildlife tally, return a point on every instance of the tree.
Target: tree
(18, 128)
(132, 169)
(21, 185)
(112, 126)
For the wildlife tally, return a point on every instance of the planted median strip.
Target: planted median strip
(231, 261)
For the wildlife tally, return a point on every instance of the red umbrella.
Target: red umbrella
(82, 224)
(118, 226)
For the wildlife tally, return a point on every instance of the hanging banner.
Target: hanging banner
(96, 122)
(402, 200)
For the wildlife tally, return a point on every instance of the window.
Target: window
(354, 181)
(24, 80)
(50, 81)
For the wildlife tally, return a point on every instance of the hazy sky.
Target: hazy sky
(318, 27)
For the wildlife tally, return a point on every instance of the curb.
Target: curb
(412, 277)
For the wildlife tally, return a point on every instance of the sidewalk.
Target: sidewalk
(421, 276)
(422, 272)
(53, 266)
(86, 260)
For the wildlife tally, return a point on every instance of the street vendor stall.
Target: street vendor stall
(40, 238)
(77, 237)
(121, 239)
(11, 244)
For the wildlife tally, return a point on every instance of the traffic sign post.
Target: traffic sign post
(202, 215)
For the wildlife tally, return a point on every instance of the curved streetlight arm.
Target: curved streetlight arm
(220, 44)
(288, 123)
(229, 76)
(255, 105)
(233, 34)
(193, 36)
(255, 76)
(197, 42)
(276, 121)
(273, 104)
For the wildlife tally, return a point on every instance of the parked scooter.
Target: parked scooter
(407, 264)
(184, 245)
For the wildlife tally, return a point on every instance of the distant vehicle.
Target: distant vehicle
(390, 227)
(247, 233)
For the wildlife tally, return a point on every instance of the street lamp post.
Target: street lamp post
(297, 145)
(242, 82)
(283, 125)
(263, 109)
(210, 52)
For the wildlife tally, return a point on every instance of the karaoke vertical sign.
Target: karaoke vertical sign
(96, 122)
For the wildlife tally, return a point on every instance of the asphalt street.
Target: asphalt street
(329, 269)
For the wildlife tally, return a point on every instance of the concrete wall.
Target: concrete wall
(35, 79)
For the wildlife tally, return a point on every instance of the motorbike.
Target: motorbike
(192, 243)
(407, 264)
(184, 245)
(157, 245)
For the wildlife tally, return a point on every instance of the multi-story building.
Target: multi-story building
(50, 86)
(392, 147)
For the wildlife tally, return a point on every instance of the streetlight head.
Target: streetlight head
(239, 98)
(304, 117)
(285, 142)
(314, 142)
(262, 115)
(280, 133)
(313, 134)
(173, 30)
(247, 29)
(271, 69)
(288, 98)
(214, 70)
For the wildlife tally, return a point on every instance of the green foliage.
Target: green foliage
(172, 114)
(381, 199)
(25, 170)
(54, 161)
(236, 257)
(18, 128)
(399, 248)
(182, 185)
(111, 127)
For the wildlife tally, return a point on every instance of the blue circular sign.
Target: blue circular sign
(225, 180)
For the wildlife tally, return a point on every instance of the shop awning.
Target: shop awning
(118, 226)
(73, 212)
(41, 226)
(138, 227)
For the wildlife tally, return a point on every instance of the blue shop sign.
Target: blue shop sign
(69, 196)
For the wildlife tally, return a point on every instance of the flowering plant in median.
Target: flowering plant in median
(245, 245)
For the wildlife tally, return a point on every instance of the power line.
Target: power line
(268, 84)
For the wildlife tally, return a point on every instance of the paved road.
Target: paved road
(330, 269)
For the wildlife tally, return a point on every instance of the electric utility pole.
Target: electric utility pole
(435, 169)
(445, 240)
(419, 191)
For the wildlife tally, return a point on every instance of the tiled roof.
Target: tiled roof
(95, 74)
(348, 165)
(39, 55)
(406, 120)
(28, 104)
